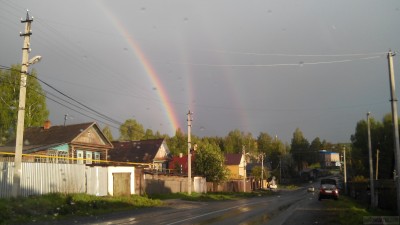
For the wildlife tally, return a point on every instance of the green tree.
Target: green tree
(277, 150)
(315, 147)
(256, 172)
(382, 139)
(299, 148)
(131, 130)
(148, 135)
(234, 142)
(209, 162)
(36, 111)
(178, 143)
(264, 142)
(107, 132)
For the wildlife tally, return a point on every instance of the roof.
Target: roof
(38, 137)
(233, 158)
(135, 151)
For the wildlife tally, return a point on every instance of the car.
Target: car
(311, 189)
(328, 189)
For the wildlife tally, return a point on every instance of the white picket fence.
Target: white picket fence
(44, 178)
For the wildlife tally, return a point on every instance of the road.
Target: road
(286, 207)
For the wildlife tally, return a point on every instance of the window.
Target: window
(79, 156)
(97, 157)
(89, 157)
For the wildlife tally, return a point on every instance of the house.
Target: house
(329, 159)
(154, 152)
(75, 144)
(179, 164)
(236, 164)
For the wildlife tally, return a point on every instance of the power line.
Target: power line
(109, 119)
(301, 63)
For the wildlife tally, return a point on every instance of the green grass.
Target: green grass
(352, 212)
(60, 206)
(57, 206)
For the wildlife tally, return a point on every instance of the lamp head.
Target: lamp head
(34, 60)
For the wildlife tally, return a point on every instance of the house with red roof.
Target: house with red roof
(179, 164)
(74, 144)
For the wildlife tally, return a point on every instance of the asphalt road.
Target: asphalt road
(286, 207)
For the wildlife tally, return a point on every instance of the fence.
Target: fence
(44, 178)
(163, 184)
(385, 193)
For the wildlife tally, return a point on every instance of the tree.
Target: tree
(36, 111)
(209, 162)
(131, 130)
(256, 172)
(315, 147)
(178, 143)
(382, 139)
(107, 132)
(264, 142)
(299, 148)
(148, 134)
(235, 141)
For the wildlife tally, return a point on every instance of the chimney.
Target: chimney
(47, 125)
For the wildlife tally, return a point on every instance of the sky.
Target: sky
(254, 65)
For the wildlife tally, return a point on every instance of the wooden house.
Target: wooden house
(77, 143)
(236, 164)
(154, 152)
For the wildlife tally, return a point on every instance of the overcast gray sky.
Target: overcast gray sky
(254, 65)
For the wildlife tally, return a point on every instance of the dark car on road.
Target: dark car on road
(328, 189)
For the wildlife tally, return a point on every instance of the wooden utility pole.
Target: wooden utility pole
(345, 170)
(377, 164)
(393, 100)
(244, 168)
(21, 108)
(189, 120)
(371, 169)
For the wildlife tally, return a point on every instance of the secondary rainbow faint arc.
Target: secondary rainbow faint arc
(148, 69)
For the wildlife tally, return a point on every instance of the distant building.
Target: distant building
(329, 159)
(236, 164)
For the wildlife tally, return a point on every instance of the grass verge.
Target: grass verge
(352, 212)
(58, 206)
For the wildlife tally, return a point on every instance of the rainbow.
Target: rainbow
(172, 118)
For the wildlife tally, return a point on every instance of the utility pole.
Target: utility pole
(244, 168)
(21, 109)
(377, 164)
(345, 170)
(262, 170)
(371, 172)
(280, 169)
(189, 120)
(393, 100)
